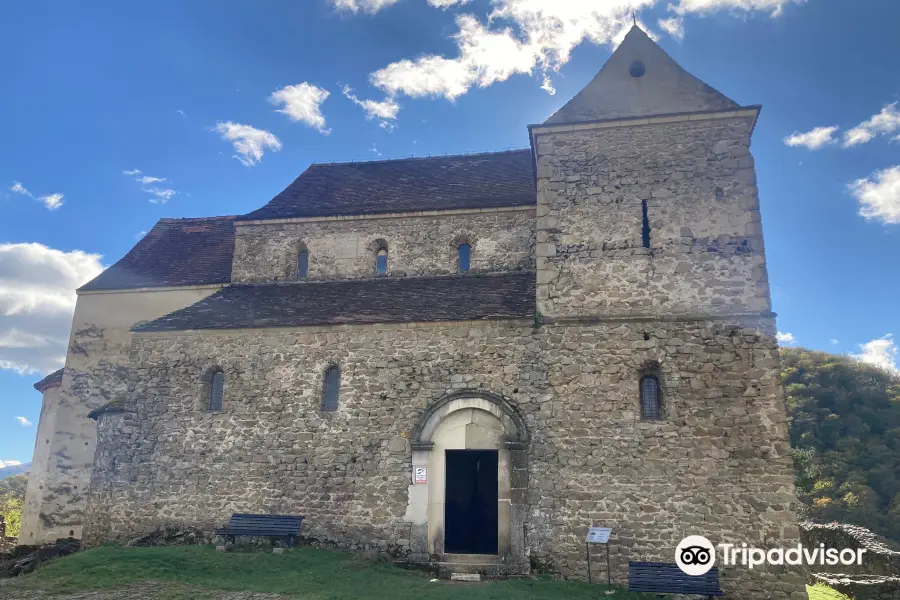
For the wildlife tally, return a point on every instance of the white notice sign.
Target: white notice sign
(598, 535)
(420, 475)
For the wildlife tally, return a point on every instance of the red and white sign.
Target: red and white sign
(420, 475)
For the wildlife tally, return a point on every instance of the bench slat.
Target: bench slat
(668, 578)
(248, 524)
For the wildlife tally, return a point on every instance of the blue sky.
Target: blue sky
(91, 90)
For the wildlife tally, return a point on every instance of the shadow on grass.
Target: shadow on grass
(307, 573)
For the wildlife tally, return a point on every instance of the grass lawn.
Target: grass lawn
(307, 573)
(823, 592)
(200, 573)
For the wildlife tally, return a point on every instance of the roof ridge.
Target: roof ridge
(216, 218)
(414, 158)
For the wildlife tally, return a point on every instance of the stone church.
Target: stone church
(457, 359)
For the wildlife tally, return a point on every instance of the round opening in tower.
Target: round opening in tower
(636, 69)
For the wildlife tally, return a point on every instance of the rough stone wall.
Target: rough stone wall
(346, 249)
(699, 182)
(717, 464)
(40, 467)
(96, 370)
(272, 448)
(879, 559)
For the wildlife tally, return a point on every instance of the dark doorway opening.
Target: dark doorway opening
(470, 502)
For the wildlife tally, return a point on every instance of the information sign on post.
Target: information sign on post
(598, 535)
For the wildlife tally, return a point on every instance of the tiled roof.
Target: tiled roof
(437, 183)
(51, 380)
(175, 252)
(380, 300)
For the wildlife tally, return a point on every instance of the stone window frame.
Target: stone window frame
(460, 240)
(302, 248)
(207, 389)
(375, 248)
(651, 369)
(326, 406)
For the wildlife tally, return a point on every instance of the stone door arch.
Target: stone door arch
(477, 420)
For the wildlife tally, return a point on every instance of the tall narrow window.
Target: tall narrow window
(465, 256)
(332, 387)
(303, 264)
(216, 390)
(381, 262)
(650, 404)
(645, 225)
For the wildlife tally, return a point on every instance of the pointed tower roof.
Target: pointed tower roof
(638, 80)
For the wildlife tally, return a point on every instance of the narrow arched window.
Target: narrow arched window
(381, 262)
(216, 391)
(465, 257)
(332, 388)
(303, 264)
(650, 403)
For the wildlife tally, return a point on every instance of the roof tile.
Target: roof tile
(175, 252)
(436, 183)
(380, 300)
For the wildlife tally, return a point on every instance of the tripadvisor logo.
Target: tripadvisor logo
(696, 555)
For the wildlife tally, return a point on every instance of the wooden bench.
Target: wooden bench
(285, 527)
(666, 578)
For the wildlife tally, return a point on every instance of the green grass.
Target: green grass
(306, 573)
(823, 592)
(201, 573)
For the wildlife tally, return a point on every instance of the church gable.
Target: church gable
(638, 80)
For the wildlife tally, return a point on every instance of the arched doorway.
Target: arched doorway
(473, 445)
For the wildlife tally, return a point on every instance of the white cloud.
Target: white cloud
(706, 6)
(10, 463)
(447, 3)
(785, 338)
(485, 57)
(146, 180)
(834, 342)
(18, 188)
(879, 195)
(23, 421)
(885, 122)
(249, 143)
(160, 195)
(374, 149)
(813, 139)
(52, 201)
(302, 102)
(542, 35)
(37, 297)
(881, 353)
(385, 111)
(369, 6)
(547, 86)
(673, 26)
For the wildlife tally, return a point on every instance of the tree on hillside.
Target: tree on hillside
(12, 500)
(845, 435)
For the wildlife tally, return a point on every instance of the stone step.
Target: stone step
(485, 570)
(465, 576)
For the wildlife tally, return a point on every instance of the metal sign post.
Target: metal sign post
(598, 535)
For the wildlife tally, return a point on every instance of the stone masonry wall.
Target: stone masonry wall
(706, 252)
(97, 365)
(346, 249)
(717, 464)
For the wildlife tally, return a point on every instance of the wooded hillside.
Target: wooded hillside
(845, 434)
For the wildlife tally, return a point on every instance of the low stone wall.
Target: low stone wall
(863, 588)
(878, 578)
(879, 559)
